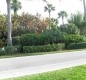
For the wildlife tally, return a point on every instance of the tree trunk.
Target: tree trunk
(9, 36)
(84, 10)
(63, 20)
(15, 12)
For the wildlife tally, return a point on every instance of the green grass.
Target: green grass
(75, 73)
(39, 53)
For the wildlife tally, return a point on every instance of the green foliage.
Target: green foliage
(52, 36)
(2, 52)
(62, 14)
(49, 8)
(29, 39)
(56, 35)
(9, 50)
(1, 43)
(77, 45)
(43, 48)
(70, 28)
(48, 37)
(16, 41)
(54, 23)
(74, 38)
(76, 19)
(15, 6)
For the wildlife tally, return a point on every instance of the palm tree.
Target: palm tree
(49, 8)
(62, 14)
(15, 6)
(84, 9)
(9, 36)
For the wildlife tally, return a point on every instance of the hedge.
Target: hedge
(77, 45)
(44, 48)
(9, 50)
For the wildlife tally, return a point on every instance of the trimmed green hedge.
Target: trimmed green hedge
(44, 48)
(77, 45)
(9, 50)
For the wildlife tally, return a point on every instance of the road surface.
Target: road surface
(20, 66)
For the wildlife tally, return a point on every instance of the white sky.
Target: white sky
(34, 6)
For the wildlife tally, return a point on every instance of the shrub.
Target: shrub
(44, 48)
(77, 46)
(9, 50)
(1, 43)
(55, 36)
(16, 41)
(44, 39)
(29, 39)
(74, 38)
(2, 52)
(70, 28)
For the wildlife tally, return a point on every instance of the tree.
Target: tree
(49, 8)
(9, 36)
(70, 28)
(62, 14)
(84, 10)
(15, 6)
(78, 20)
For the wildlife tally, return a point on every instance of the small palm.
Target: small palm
(15, 6)
(62, 14)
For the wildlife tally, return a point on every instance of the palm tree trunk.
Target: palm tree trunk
(15, 12)
(84, 9)
(63, 20)
(9, 36)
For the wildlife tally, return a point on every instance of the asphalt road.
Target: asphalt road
(20, 66)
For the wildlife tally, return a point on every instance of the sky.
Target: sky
(37, 6)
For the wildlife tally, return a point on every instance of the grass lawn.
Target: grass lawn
(74, 73)
(39, 53)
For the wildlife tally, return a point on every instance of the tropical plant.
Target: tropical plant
(62, 14)
(70, 28)
(78, 20)
(49, 8)
(15, 6)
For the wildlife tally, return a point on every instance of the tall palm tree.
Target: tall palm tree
(62, 14)
(84, 9)
(49, 8)
(15, 6)
(9, 36)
